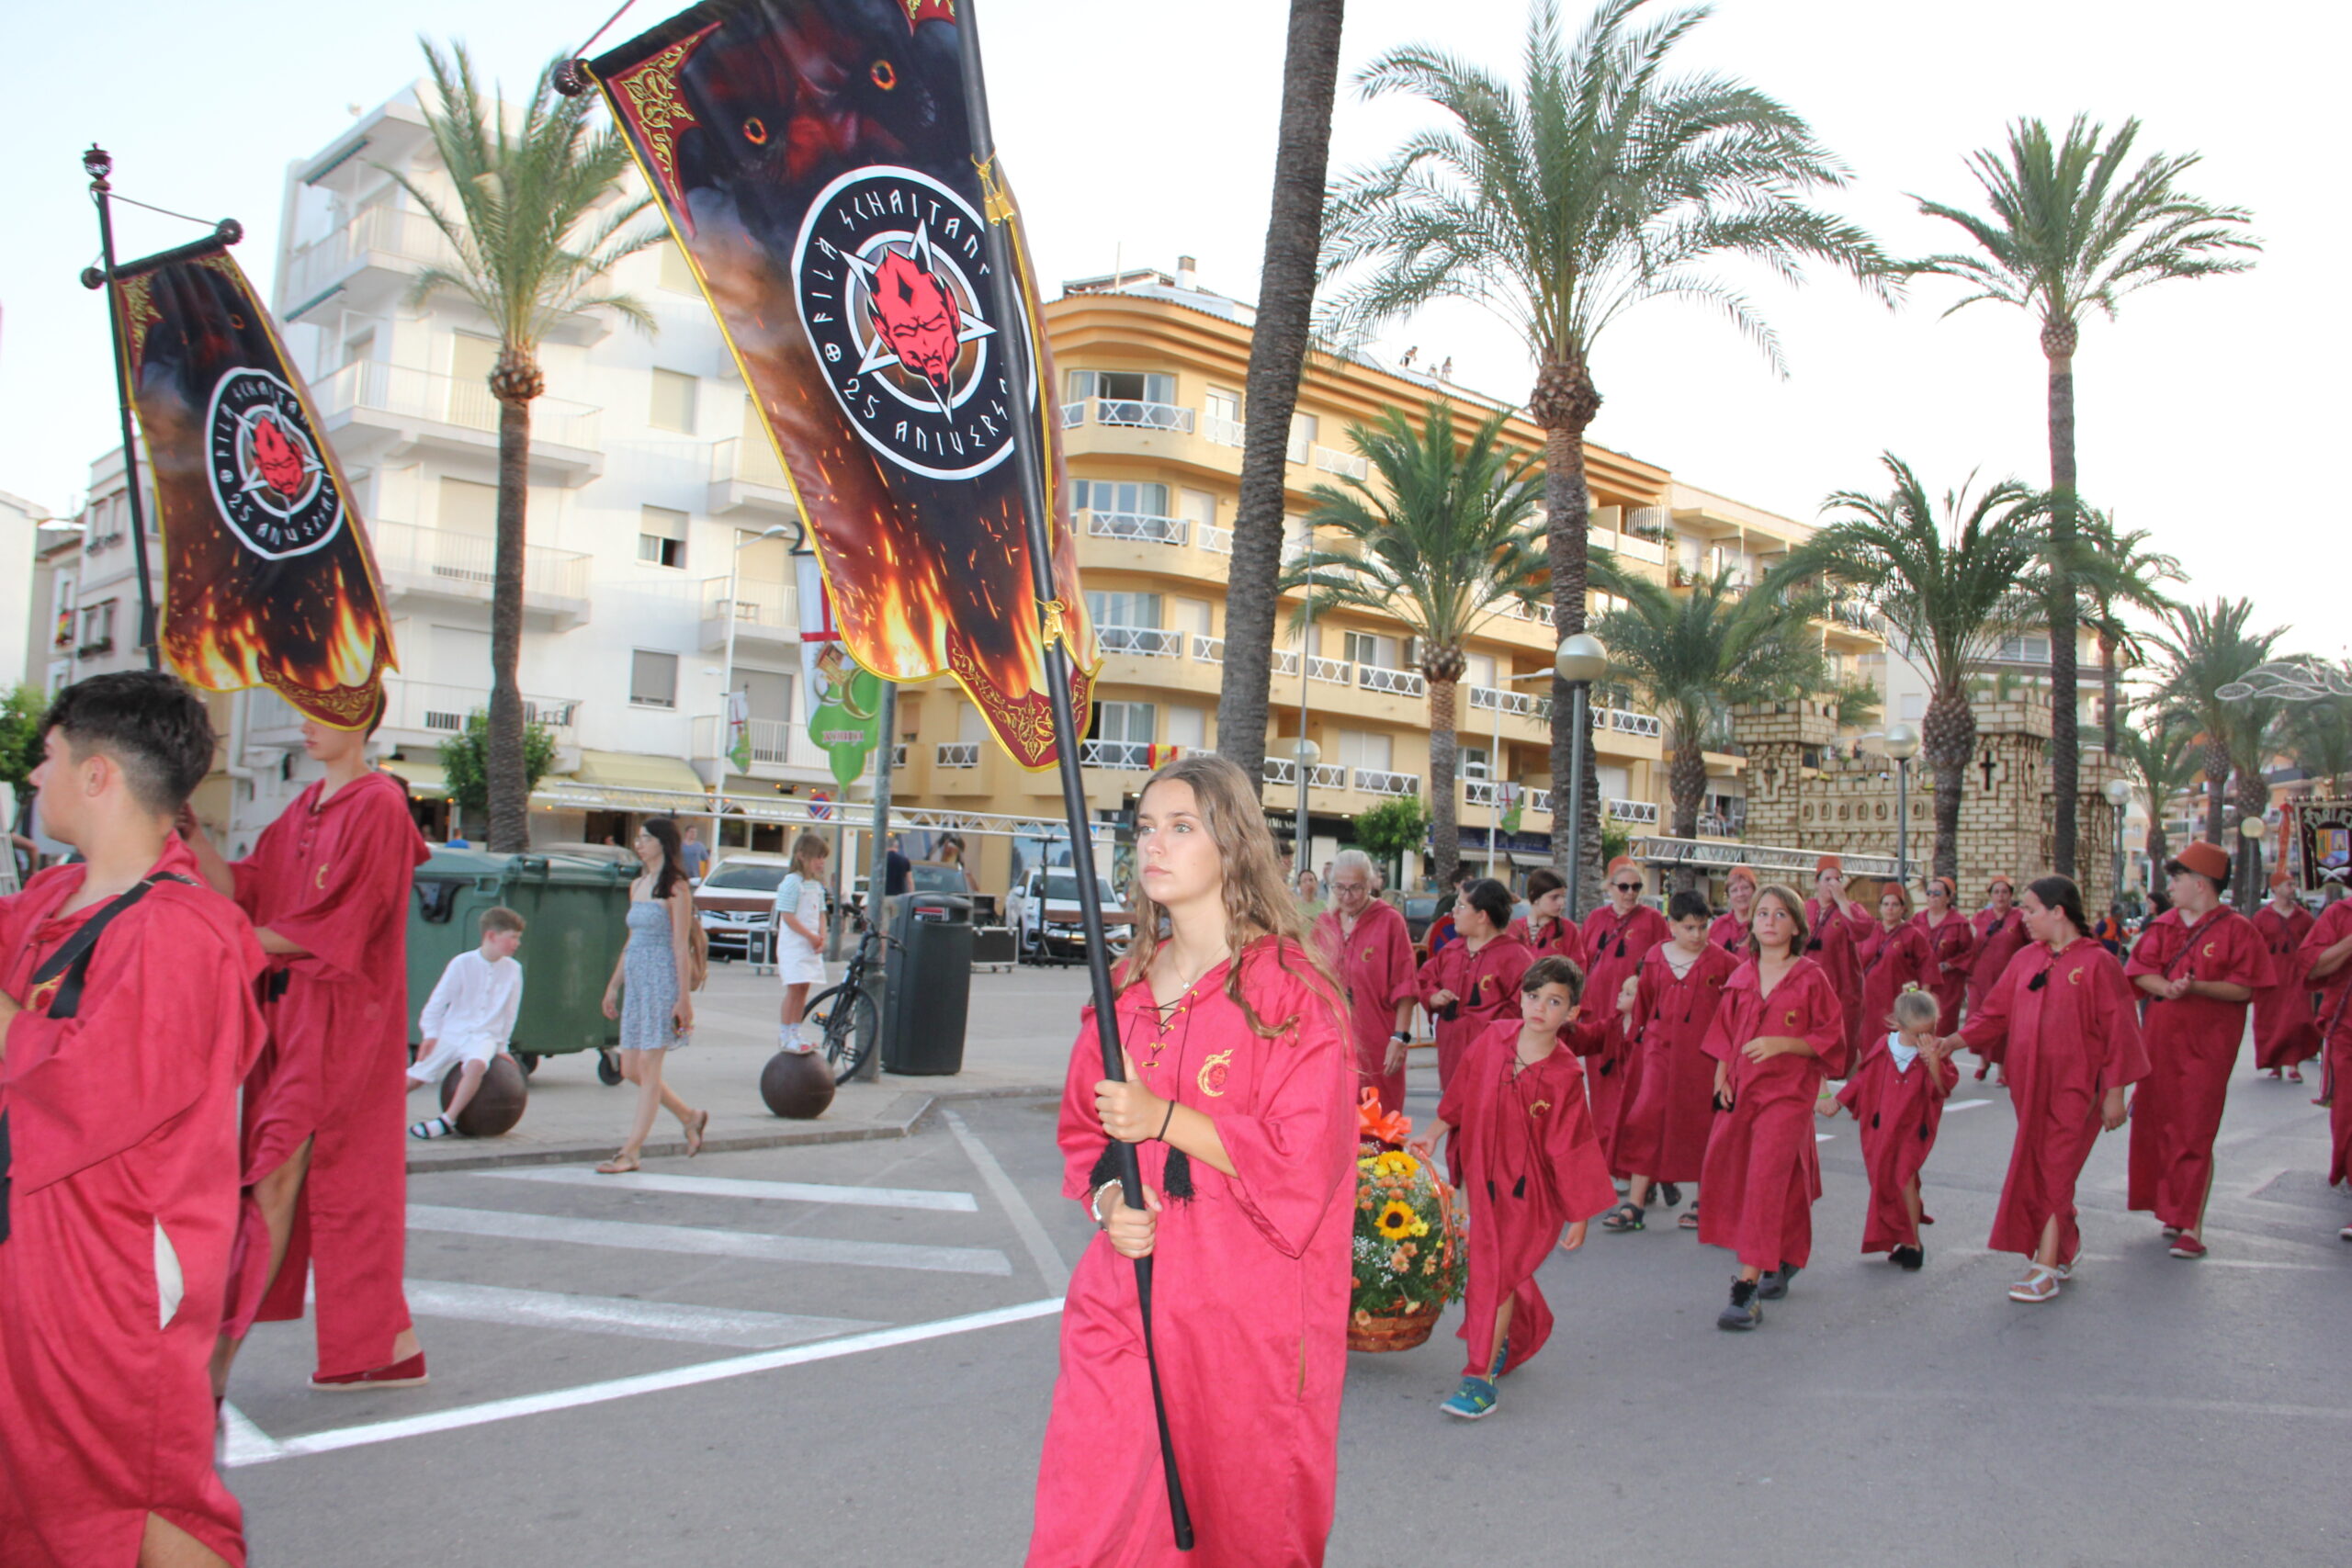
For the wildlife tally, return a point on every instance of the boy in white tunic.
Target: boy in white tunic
(470, 1018)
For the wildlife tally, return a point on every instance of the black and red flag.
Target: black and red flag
(268, 577)
(815, 163)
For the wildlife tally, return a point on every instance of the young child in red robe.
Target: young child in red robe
(1521, 1149)
(1546, 929)
(1897, 1094)
(2285, 1035)
(325, 1109)
(2064, 1021)
(127, 1018)
(1780, 1031)
(2327, 954)
(1239, 1093)
(1366, 942)
(1667, 1009)
(1472, 983)
(1618, 936)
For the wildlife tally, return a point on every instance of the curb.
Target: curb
(900, 1119)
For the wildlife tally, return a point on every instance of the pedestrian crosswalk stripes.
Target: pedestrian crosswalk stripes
(724, 1187)
(674, 1322)
(706, 1242)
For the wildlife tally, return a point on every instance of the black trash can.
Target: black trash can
(929, 996)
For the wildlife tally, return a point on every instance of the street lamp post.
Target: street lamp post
(1902, 744)
(1304, 755)
(1305, 752)
(2118, 795)
(2251, 832)
(1580, 661)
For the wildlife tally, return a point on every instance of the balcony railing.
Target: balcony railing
(1219, 431)
(1284, 771)
(1208, 649)
(1332, 670)
(435, 709)
(1645, 811)
(1378, 781)
(1145, 525)
(1283, 661)
(1625, 721)
(1073, 415)
(383, 231)
(1520, 610)
(1540, 800)
(1136, 414)
(746, 462)
(1216, 540)
(378, 388)
(1149, 642)
(1348, 465)
(1402, 682)
(465, 564)
(1715, 825)
(1126, 756)
(958, 754)
(1519, 705)
(771, 607)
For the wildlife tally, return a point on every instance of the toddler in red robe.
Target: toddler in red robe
(1897, 1094)
(1523, 1151)
(126, 1018)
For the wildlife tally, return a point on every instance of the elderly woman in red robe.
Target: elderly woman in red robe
(1729, 930)
(2000, 936)
(1779, 1031)
(1239, 1094)
(1617, 937)
(2285, 1034)
(2066, 1015)
(1668, 1009)
(1366, 943)
(1472, 983)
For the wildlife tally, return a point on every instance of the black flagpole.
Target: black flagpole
(1006, 305)
(99, 166)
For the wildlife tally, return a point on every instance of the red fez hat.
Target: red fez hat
(1743, 870)
(1827, 863)
(2205, 859)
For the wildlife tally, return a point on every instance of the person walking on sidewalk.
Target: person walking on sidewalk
(648, 994)
(800, 934)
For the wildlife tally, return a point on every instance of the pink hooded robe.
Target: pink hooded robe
(1664, 1134)
(2192, 1045)
(1486, 984)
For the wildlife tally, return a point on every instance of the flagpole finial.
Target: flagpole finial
(98, 162)
(570, 77)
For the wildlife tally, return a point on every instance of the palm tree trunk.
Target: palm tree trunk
(1445, 829)
(1277, 354)
(502, 760)
(2058, 342)
(2217, 785)
(1686, 784)
(1947, 737)
(1565, 403)
(2112, 695)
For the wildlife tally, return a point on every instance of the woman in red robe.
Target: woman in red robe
(1897, 1094)
(2066, 1017)
(1238, 1095)
(2285, 1035)
(1779, 1031)
(1730, 929)
(1522, 1150)
(1894, 959)
(1951, 946)
(1672, 1004)
(1618, 936)
(1366, 943)
(1545, 928)
(1473, 982)
(2327, 954)
(2000, 936)
(1835, 927)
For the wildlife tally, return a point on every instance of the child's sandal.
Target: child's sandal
(1690, 1220)
(1623, 1217)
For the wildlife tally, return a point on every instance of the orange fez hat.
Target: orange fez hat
(2281, 879)
(2208, 861)
(2001, 879)
(1897, 889)
(1743, 870)
(1827, 863)
(1619, 863)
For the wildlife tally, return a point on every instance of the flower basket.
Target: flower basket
(1406, 1260)
(1376, 1336)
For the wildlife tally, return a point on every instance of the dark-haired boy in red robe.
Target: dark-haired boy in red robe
(1897, 1094)
(126, 1018)
(1522, 1149)
(1668, 1009)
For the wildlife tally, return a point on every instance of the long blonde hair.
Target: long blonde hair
(1258, 901)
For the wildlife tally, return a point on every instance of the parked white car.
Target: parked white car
(1043, 911)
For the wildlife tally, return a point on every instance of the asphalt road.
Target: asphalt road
(730, 1363)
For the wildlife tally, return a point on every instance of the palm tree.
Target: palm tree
(2118, 571)
(1440, 541)
(2206, 649)
(2318, 734)
(1690, 656)
(535, 231)
(2161, 756)
(1951, 584)
(1277, 351)
(2070, 229)
(1596, 184)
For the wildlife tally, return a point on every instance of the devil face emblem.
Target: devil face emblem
(915, 314)
(273, 488)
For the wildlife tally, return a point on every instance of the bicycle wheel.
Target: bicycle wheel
(844, 1021)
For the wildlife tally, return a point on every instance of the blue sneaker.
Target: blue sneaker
(1502, 1354)
(1474, 1399)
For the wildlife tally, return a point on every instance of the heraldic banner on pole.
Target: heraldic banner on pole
(815, 164)
(267, 576)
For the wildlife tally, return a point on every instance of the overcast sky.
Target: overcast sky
(2211, 412)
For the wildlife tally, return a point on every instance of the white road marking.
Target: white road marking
(1957, 1105)
(2112, 1400)
(707, 1242)
(649, 1383)
(669, 1320)
(727, 1187)
(1825, 1137)
(1042, 1251)
(242, 1442)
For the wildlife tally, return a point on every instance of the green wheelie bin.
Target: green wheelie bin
(576, 912)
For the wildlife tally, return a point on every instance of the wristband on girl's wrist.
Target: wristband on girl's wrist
(1162, 1134)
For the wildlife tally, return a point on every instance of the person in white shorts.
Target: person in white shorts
(470, 1018)
(800, 934)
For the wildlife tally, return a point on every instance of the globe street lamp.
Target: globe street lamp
(2118, 795)
(1902, 743)
(2251, 832)
(1580, 661)
(1303, 756)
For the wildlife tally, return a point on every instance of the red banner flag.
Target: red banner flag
(267, 576)
(814, 161)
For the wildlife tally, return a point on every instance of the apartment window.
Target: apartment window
(1123, 721)
(1188, 727)
(1369, 648)
(1304, 427)
(1197, 507)
(2025, 650)
(97, 627)
(1473, 762)
(1105, 495)
(1107, 608)
(652, 679)
(467, 507)
(1190, 615)
(1479, 670)
(662, 537)
(677, 274)
(1122, 385)
(673, 402)
(1364, 749)
(472, 358)
(1218, 403)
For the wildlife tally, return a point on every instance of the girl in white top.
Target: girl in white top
(800, 933)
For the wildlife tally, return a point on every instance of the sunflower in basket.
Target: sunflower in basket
(1408, 1253)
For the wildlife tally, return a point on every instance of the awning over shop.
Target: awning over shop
(637, 770)
(428, 781)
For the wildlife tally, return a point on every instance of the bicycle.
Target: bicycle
(842, 1016)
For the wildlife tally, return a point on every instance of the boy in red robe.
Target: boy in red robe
(1618, 936)
(1897, 1094)
(126, 1018)
(2285, 1036)
(1835, 927)
(1522, 1149)
(2000, 936)
(1367, 944)
(1667, 1009)
(2328, 953)
(325, 1148)
(1779, 1031)
(2065, 1020)
(1472, 983)
(2200, 964)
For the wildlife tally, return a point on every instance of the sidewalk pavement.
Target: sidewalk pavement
(1017, 1041)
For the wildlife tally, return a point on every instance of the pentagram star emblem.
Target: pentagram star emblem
(880, 350)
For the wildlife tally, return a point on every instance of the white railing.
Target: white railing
(1403, 683)
(1219, 431)
(435, 709)
(1128, 756)
(1522, 705)
(746, 462)
(1208, 649)
(773, 606)
(452, 561)
(1073, 415)
(1348, 465)
(1643, 811)
(1216, 540)
(1283, 661)
(1716, 826)
(409, 237)
(1323, 776)
(1520, 610)
(1625, 721)
(1376, 781)
(396, 390)
(958, 754)
(1540, 800)
(1136, 414)
(1478, 792)
(770, 739)
(1150, 642)
(1147, 526)
(1332, 670)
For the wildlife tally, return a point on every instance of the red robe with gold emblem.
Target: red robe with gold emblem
(1833, 939)
(123, 1126)
(1730, 933)
(2335, 1031)
(1664, 1134)
(1618, 944)
(2065, 1028)
(2192, 1044)
(1523, 1151)
(1762, 1174)
(1486, 984)
(1892, 962)
(1561, 939)
(1999, 938)
(2285, 1034)
(1377, 964)
(1951, 951)
(333, 879)
(1249, 1282)
(1899, 1111)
